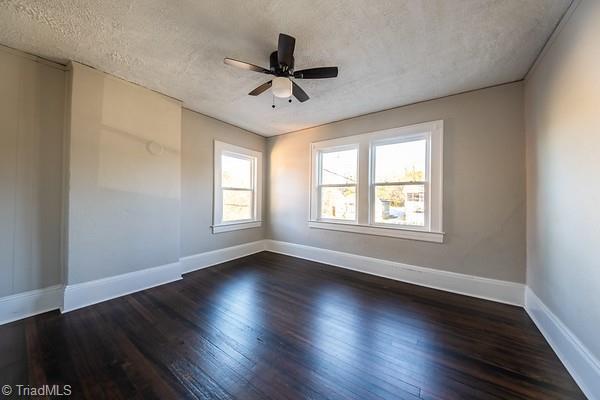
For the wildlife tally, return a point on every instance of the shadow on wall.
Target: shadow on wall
(124, 181)
(136, 153)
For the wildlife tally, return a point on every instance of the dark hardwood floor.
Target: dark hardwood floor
(272, 326)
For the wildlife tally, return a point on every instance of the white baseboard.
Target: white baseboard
(210, 258)
(79, 295)
(484, 288)
(27, 304)
(579, 361)
(87, 293)
(72, 297)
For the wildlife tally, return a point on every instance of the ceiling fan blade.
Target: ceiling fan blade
(316, 73)
(261, 88)
(299, 93)
(285, 49)
(245, 65)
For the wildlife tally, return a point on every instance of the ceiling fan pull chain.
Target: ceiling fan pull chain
(273, 101)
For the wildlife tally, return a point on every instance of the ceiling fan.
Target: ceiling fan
(282, 67)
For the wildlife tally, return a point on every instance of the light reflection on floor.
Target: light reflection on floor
(383, 335)
(339, 329)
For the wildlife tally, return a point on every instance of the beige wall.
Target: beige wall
(127, 211)
(124, 201)
(563, 165)
(484, 185)
(198, 135)
(31, 132)
(125, 208)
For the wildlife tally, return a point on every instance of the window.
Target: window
(402, 193)
(400, 178)
(237, 191)
(337, 184)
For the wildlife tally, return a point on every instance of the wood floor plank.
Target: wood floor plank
(269, 326)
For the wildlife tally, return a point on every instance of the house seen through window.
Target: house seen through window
(399, 184)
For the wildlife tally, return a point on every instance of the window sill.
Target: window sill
(435, 237)
(235, 226)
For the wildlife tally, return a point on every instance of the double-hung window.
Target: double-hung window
(337, 183)
(386, 183)
(237, 192)
(399, 181)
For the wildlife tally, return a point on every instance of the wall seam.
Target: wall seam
(552, 38)
(17, 184)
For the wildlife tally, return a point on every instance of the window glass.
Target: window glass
(401, 162)
(400, 204)
(237, 205)
(236, 172)
(339, 167)
(338, 202)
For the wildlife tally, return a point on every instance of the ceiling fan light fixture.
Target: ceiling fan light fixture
(282, 87)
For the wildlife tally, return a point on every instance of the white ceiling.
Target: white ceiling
(390, 52)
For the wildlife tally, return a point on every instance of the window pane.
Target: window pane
(236, 172)
(339, 167)
(338, 203)
(400, 162)
(403, 205)
(237, 205)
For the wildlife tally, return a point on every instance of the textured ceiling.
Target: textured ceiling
(390, 52)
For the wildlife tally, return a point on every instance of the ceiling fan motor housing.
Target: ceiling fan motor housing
(278, 69)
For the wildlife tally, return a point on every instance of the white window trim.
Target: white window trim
(435, 237)
(433, 229)
(218, 225)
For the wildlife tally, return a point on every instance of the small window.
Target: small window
(337, 184)
(400, 194)
(237, 188)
